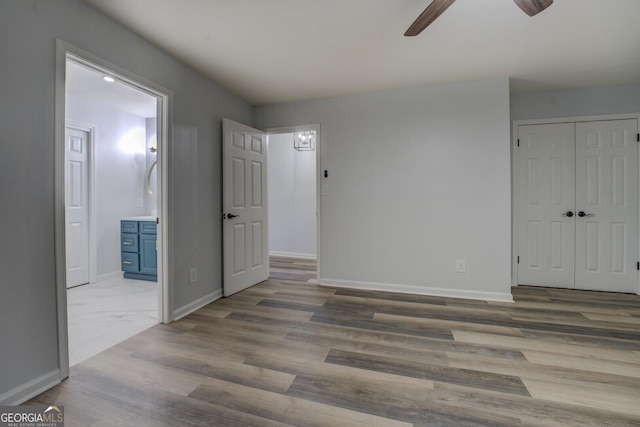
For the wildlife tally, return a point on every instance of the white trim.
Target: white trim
(319, 178)
(31, 389)
(185, 310)
(419, 290)
(93, 233)
(514, 176)
(64, 52)
(293, 255)
(576, 119)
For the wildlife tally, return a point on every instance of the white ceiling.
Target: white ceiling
(88, 84)
(272, 51)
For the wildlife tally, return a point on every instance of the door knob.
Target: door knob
(583, 214)
(231, 216)
(568, 213)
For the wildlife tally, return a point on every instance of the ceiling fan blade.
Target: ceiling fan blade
(435, 9)
(533, 7)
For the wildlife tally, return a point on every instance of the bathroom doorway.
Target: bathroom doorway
(110, 162)
(111, 137)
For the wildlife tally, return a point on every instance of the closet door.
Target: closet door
(546, 205)
(607, 206)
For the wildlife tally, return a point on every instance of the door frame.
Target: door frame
(515, 183)
(91, 160)
(65, 51)
(300, 128)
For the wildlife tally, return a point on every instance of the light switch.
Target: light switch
(325, 189)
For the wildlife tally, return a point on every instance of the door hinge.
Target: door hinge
(157, 220)
(638, 137)
(638, 266)
(518, 259)
(518, 142)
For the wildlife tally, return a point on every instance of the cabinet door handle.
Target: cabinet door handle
(127, 262)
(127, 243)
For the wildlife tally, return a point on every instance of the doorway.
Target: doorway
(127, 156)
(108, 179)
(246, 201)
(293, 203)
(577, 204)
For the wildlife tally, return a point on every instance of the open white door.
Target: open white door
(77, 206)
(244, 204)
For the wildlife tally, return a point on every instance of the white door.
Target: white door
(546, 201)
(77, 206)
(578, 205)
(244, 192)
(607, 205)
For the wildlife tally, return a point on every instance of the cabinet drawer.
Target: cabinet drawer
(129, 242)
(148, 227)
(128, 226)
(130, 262)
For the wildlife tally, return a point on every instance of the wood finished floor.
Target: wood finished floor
(294, 353)
(296, 269)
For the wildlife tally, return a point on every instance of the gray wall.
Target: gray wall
(574, 103)
(418, 178)
(28, 30)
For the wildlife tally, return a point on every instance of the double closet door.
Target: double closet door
(577, 198)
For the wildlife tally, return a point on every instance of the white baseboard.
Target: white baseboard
(109, 276)
(185, 310)
(31, 389)
(293, 255)
(418, 290)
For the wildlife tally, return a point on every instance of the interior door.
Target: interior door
(607, 205)
(546, 202)
(245, 209)
(77, 206)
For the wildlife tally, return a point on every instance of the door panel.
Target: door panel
(607, 191)
(77, 206)
(546, 190)
(148, 254)
(245, 245)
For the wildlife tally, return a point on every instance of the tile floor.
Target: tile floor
(103, 314)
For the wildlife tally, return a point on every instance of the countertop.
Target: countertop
(138, 218)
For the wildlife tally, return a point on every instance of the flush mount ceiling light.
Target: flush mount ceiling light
(304, 141)
(109, 79)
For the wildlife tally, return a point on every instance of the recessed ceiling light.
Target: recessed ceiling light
(109, 79)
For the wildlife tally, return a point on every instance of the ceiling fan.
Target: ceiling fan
(437, 7)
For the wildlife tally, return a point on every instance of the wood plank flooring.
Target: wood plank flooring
(289, 352)
(296, 269)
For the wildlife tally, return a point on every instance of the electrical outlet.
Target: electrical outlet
(139, 202)
(461, 266)
(325, 189)
(193, 275)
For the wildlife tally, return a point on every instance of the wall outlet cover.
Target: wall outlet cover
(461, 266)
(193, 275)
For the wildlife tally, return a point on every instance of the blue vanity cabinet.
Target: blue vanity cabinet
(139, 259)
(148, 255)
